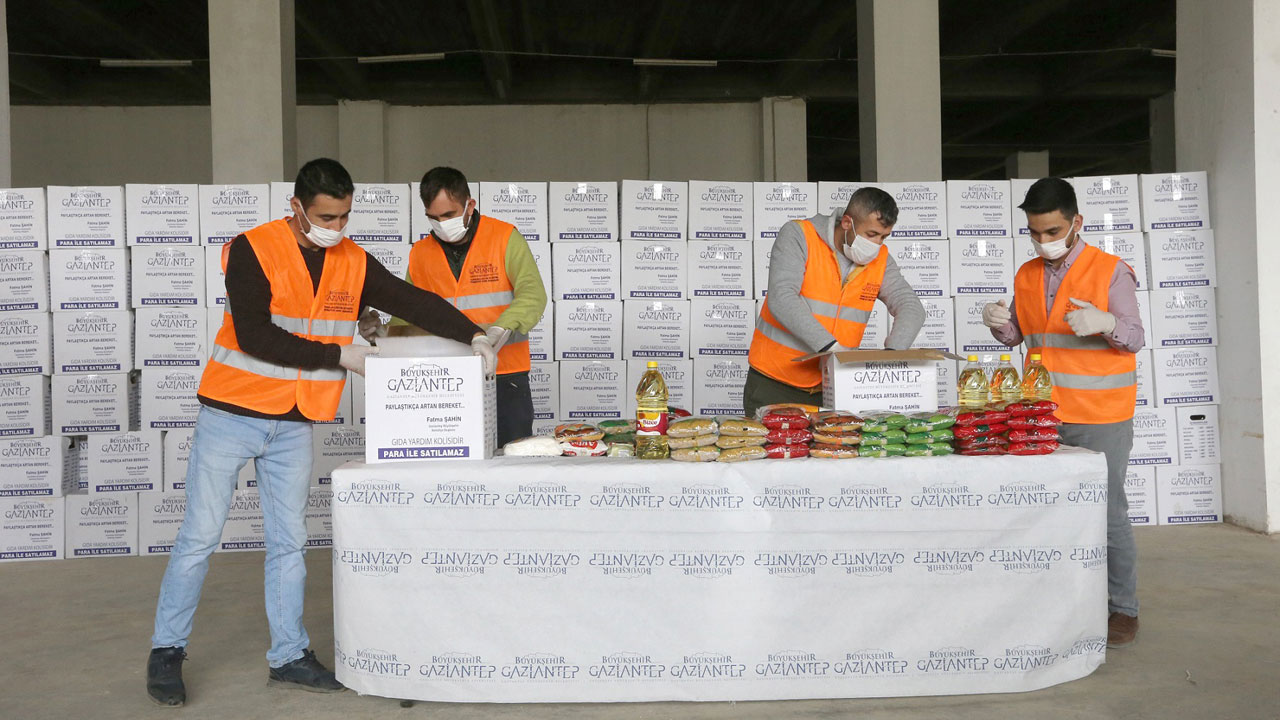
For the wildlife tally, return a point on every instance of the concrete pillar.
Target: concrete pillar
(1228, 123)
(252, 90)
(6, 126)
(1027, 164)
(785, 134)
(1163, 140)
(362, 132)
(899, 90)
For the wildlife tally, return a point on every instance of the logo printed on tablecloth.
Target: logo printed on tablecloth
(865, 497)
(627, 666)
(868, 563)
(1023, 658)
(792, 564)
(706, 564)
(1025, 560)
(380, 493)
(626, 564)
(371, 661)
(704, 497)
(541, 563)
(788, 497)
(1023, 493)
(459, 563)
(946, 495)
(540, 667)
(871, 662)
(793, 664)
(627, 496)
(957, 660)
(707, 666)
(457, 666)
(949, 561)
(374, 562)
(1092, 645)
(461, 494)
(1091, 557)
(542, 494)
(1091, 492)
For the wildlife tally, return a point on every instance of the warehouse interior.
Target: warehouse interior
(112, 92)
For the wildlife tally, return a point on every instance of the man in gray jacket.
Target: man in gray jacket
(825, 275)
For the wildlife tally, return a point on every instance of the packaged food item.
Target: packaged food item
(1032, 448)
(676, 412)
(837, 452)
(966, 432)
(1033, 435)
(1025, 408)
(838, 437)
(929, 450)
(619, 449)
(891, 450)
(836, 420)
(740, 454)
(725, 442)
(992, 450)
(880, 439)
(793, 436)
(691, 442)
(926, 421)
(786, 417)
(886, 419)
(691, 427)
(539, 446)
(583, 448)
(783, 451)
(983, 442)
(1026, 422)
(629, 437)
(570, 432)
(742, 427)
(617, 427)
(979, 416)
(764, 410)
(944, 435)
(697, 454)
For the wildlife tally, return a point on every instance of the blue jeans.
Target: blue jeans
(281, 451)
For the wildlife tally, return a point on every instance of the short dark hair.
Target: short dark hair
(1048, 194)
(868, 200)
(322, 176)
(451, 181)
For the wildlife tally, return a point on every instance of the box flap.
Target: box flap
(848, 356)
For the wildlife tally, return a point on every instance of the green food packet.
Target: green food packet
(896, 450)
(874, 439)
(941, 448)
(622, 437)
(897, 437)
(616, 427)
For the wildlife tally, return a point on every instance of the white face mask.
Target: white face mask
(861, 251)
(323, 237)
(453, 230)
(1053, 249)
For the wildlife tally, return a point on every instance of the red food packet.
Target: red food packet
(983, 442)
(1033, 448)
(786, 451)
(1027, 422)
(785, 418)
(1028, 408)
(991, 450)
(1033, 435)
(791, 436)
(976, 431)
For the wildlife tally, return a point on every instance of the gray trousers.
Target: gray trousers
(1114, 440)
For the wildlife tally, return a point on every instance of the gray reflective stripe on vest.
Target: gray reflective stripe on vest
(780, 336)
(1062, 341)
(326, 328)
(826, 309)
(292, 324)
(1095, 382)
(483, 300)
(250, 364)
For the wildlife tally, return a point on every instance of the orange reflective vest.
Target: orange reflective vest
(482, 291)
(841, 308)
(1093, 383)
(328, 314)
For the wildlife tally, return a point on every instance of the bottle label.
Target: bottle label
(651, 422)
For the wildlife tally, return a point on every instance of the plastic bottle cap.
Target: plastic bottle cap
(1035, 356)
(1004, 358)
(652, 364)
(973, 358)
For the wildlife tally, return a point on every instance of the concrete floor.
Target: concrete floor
(74, 640)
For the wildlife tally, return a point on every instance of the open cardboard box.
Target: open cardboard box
(899, 380)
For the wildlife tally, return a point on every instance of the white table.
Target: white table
(597, 580)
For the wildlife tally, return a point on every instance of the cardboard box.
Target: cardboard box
(544, 385)
(76, 463)
(1182, 258)
(230, 210)
(1189, 494)
(343, 414)
(319, 517)
(543, 427)
(395, 258)
(1140, 491)
(169, 397)
(245, 528)
(1146, 380)
(332, 446)
(922, 209)
(775, 203)
(584, 211)
(93, 342)
(213, 323)
(900, 380)
(1184, 316)
(1175, 200)
(541, 252)
(159, 517)
(171, 337)
(85, 216)
(654, 270)
(429, 408)
(655, 329)
(127, 462)
(833, 195)
(654, 210)
(418, 212)
(89, 279)
(982, 266)
(1155, 440)
(542, 347)
(177, 453)
(586, 271)
(925, 264)
(31, 529)
(24, 281)
(1198, 441)
(593, 390)
(939, 331)
(26, 344)
(720, 211)
(100, 525)
(948, 394)
(721, 326)
(1018, 188)
(379, 214)
(87, 404)
(1109, 203)
(356, 384)
(523, 204)
(215, 280)
(877, 329)
(23, 219)
(979, 209)
(720, 269)
(162, 214)
(35, 467)
(718, 384)
(761, 253)
(281, 196)
(1130, 247)
(24, 406)
(168, 275)
(588, 330)
(1187, 376)
(971, 335)
(677, 374)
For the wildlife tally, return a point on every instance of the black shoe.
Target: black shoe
(164, 676)
(306, 673)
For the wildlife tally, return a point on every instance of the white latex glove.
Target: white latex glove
(498, 336)
(371, 327)
(353, 357)
(1089, 320)
(482, 347)
(996, 315)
